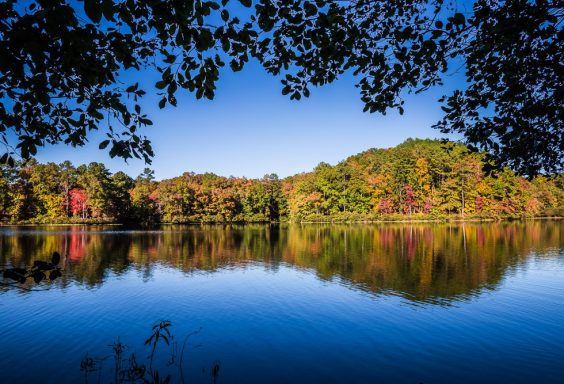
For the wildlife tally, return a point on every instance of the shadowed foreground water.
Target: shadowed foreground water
(312, 303)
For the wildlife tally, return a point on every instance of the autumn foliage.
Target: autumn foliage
(417, 179)
(78, 202)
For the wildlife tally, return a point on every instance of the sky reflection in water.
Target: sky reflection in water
(314, 303)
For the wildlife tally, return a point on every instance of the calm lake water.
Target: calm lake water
(278, 304)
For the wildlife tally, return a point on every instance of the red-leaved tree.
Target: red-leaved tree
(409, 202)
(78, 202)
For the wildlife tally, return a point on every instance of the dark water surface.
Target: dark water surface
(314, 303)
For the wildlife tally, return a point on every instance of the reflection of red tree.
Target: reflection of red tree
(387, 238)
(78, 199)
(411, 242)
(428, 237)
(480, 237)
(77, 245)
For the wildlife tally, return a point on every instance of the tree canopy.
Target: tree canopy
(62, 65)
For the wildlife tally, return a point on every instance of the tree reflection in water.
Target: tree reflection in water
(433, 263)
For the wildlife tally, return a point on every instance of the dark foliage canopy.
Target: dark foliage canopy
(62, 64)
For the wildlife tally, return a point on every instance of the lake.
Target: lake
(409, 303)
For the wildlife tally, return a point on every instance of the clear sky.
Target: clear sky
(251, 129)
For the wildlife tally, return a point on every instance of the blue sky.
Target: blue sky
(250, 129)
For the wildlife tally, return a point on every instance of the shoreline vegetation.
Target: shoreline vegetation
(416, 181)
(306, 220)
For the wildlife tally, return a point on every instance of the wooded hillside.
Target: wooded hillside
(418, 179)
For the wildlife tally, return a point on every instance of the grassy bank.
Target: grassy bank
(341, 218)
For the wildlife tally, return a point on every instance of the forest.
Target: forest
(418, 179)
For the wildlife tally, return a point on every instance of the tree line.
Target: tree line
(418, 179)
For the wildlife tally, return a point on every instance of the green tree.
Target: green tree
(95, 180)
(145, 207)
(120, 199)
(5, 181)
(68, 175)
(23, 203)
(46, 185)
(467, 172)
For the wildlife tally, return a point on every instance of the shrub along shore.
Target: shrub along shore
(314, 219)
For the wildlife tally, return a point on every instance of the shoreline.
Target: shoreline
(328, 221)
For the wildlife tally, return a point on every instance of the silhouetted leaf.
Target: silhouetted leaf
(93, 9)
(54, 274)
(38, 276)
(55, 258)
(42, 265)
(15, 274)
